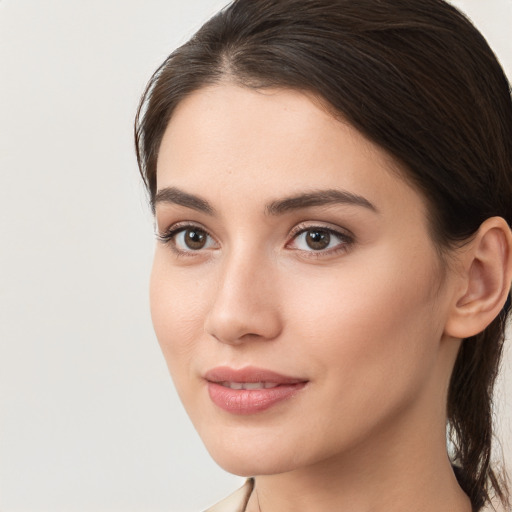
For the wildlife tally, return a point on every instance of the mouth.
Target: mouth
(250, 390)
(248, 385)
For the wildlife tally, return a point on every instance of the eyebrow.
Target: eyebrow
(174, 195)
(318, 198)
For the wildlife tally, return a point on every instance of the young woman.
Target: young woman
(332, 182)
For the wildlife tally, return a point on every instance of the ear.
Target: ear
(485, 280)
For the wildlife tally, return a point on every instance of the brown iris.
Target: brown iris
(195, 238)
(318, 239)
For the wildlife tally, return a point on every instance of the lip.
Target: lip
(250, 401)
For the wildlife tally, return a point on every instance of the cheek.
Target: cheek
(369, 328)
(176, 312)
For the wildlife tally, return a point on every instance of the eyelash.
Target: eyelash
(346, 240)
(169, 237)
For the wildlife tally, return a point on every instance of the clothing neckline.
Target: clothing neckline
(237, 501)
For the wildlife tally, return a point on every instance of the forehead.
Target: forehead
(262, 143)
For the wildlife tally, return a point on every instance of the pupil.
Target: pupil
(318, 240)
(195, 239)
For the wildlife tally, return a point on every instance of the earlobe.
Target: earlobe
(486, 280)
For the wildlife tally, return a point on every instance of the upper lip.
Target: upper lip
(248, 374)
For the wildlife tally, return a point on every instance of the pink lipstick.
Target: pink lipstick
(249, 390)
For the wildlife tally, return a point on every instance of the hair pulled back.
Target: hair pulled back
(416, 78)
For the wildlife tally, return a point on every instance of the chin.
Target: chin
(251, 459)
(245, 467)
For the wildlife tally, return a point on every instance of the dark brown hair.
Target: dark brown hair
(416, 78)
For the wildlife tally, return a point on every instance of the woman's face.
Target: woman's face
(296, 293)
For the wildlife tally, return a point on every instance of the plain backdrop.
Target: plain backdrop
(89, 420)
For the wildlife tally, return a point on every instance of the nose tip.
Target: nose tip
(244, 308)
(235, 330)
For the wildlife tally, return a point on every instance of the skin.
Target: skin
(363, 321)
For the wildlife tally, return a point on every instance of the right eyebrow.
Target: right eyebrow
(174, 195)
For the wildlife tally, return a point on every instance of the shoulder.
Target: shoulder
(235, 502)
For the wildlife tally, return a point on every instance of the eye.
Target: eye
(191, 238)
(320, 239)
(188, 238)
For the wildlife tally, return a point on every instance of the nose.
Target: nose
(245, 304)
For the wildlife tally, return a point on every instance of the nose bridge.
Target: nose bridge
(245, 303)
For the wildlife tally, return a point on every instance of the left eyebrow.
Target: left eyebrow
(318, 198)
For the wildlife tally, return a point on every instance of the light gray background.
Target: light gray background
(89, 420)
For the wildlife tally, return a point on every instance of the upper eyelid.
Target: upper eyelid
(337, 230)
(181, 225)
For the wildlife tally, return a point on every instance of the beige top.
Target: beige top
(235, 502)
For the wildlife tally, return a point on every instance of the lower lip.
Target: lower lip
(250, 401)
